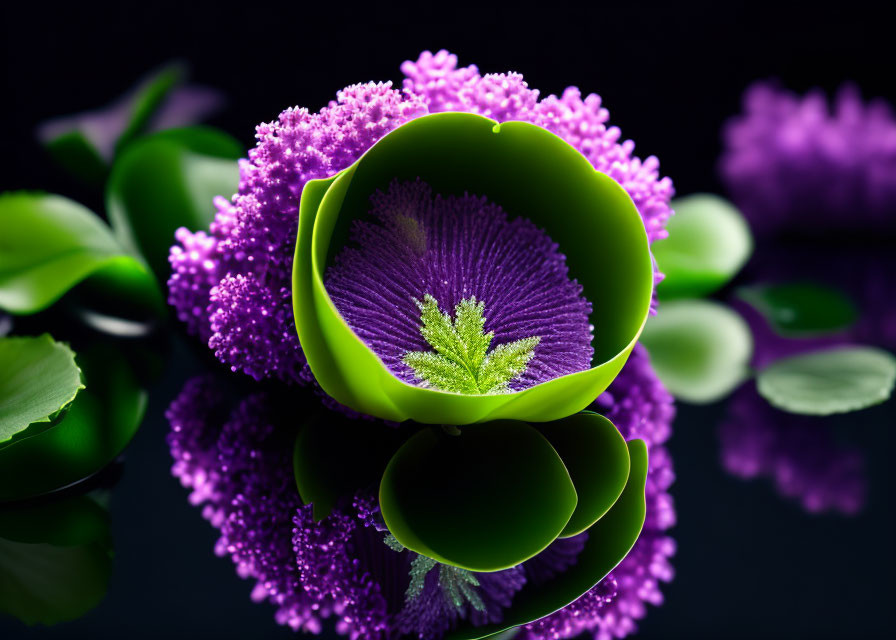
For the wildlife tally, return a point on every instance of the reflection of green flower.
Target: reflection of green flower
(531, 174)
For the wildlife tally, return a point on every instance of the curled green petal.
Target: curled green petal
(596, 456)
(609, 541)
(484, 500)
(530, 173)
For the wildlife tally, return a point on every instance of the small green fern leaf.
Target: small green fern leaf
(462, 362)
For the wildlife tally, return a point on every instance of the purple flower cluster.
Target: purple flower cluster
(231, 286)
(793, 162)
(238, 465)
(797, 453)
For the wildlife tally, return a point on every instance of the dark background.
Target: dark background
(750, 564)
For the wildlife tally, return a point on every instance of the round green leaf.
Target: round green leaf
(700, 350)
(49, 244)
(55, 560)
(596, 456)
(609, 541)
(38, 377)
(801, 309)
(484, 500)
(98, 425)
(531, 173)
(335, 456)
(709, 241)
(166, 181)
(834, 380)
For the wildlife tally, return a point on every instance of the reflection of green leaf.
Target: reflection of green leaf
(609, 541)
(699, 349)
(486, 499)
(801, 309)
(55, 560)
(38, 377)
(596, 456)
(49, 244)
(98, 425)
(462, 362)
(166, 181)
(834, 380)
(709, 241)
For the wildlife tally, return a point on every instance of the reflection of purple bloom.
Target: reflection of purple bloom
(512, 267)
(232, 285)
(640, 407)
(797, 453)
(795, 163)
(240, 468)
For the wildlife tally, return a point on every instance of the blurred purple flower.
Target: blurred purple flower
(797, 453)
(232, 285)
(796, 163)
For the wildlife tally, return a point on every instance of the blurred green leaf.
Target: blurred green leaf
(77, 155)
(49, 244)
(147, 99)
(836, 380)
(709, 241)
(801, 309)
(699, 349)
(486, 499)
(166, 181)
(55, 560)
(99, 423)
(85, 143)
(596, 456)
(38, 377)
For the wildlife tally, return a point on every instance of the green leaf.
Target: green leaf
(98, 425)
(462, 363)
(700, 350)
(709, 241)
(531, 173)
(55, 560)
(609, 541)
(335, 456)
(49, 244)
(801, 309)
(836, 380)
(596, 456)
(38, 378)
(166, 181)
(484, 500)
